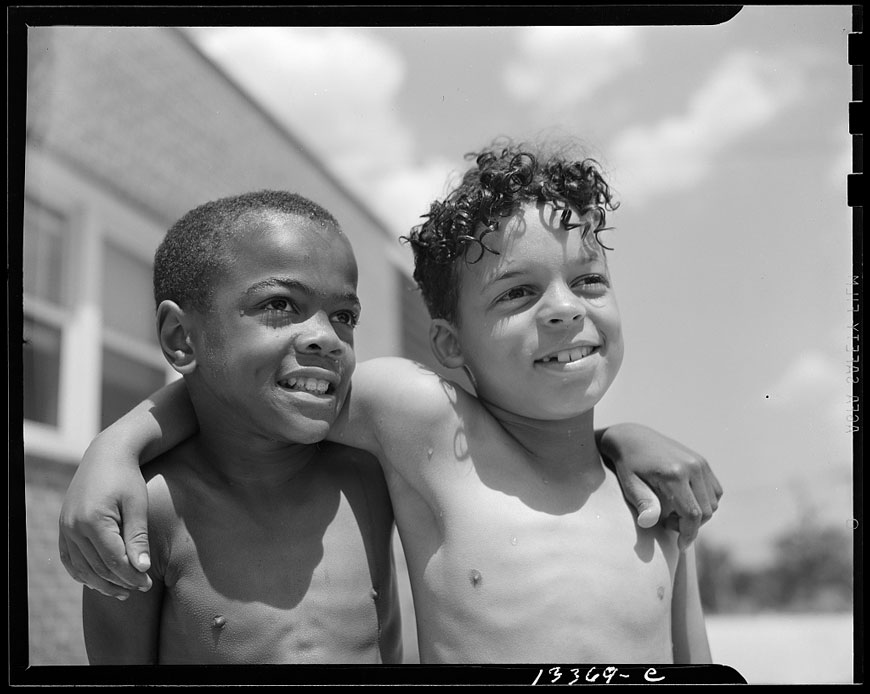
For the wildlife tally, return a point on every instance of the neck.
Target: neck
(556, 447)
(242, 457)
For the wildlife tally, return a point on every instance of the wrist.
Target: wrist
(616, 440)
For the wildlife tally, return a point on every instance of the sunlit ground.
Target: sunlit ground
(784, 648)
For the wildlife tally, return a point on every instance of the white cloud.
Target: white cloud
(402, 194)
(744, 93)
(807, 377)
(594, 56)
(333, 86)
(815, 388)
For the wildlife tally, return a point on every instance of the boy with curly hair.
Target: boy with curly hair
(516, 280)
(519, 543)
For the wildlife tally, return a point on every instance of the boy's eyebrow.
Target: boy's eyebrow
(592, 256)
(499, 276)
(293, 285)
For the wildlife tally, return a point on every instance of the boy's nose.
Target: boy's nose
(318, 336)
(565, 308)
(567, 318)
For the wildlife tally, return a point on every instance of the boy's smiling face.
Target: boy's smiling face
(538, 325)
(275, 352)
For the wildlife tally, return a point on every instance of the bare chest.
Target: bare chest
(505, 542)
(300, 589)
(519, 571)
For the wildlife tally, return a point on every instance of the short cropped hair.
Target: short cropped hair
(196, 249)
(504, 177)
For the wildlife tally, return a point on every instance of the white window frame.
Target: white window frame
(95, 215)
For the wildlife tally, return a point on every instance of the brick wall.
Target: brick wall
(54, 599)
(142, 116)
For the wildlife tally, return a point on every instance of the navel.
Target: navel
(475, 577)
(661, 592)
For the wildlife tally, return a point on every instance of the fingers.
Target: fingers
(718, 491)
(672, 522)
(99, 560)
(135, 530)
(81, 569)
(107, 555)
(705, 502)
(707, 491)
(696, 500)
(648, 512)
(688, 528)
(644, 499)
(693, 506)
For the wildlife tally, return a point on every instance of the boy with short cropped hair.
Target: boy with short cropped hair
(268, 546)
(519, 544)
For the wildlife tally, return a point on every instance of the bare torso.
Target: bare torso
(300, 574)
(509, 566)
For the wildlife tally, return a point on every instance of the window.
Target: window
(128, 294)
(133, 366)
(46, 233)
(125, 383)
(41, 365)
(89, 349)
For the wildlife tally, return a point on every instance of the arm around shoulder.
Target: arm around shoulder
(391, 396)
(103, 536)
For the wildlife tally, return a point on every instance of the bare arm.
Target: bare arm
(122, 633)
(96, 547)
(688, 631)
(661, 478)
(103, 530)
(353, 426)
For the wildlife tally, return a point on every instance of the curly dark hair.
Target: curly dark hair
(196, 249)
(504, 177)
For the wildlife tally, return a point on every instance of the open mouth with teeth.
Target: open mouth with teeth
(317, 386)
(568, 355)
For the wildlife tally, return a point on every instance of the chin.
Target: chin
(311, 431)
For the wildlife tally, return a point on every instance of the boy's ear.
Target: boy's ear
(174, 335)
(445, 344)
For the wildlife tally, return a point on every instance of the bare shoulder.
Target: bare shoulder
(393, 386)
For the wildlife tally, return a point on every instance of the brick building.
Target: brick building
(127, 129)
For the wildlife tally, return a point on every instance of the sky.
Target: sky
(728, 148)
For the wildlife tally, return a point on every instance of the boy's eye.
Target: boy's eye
(347, 318)
(592, 283)
(278, 305)
(514, 293)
